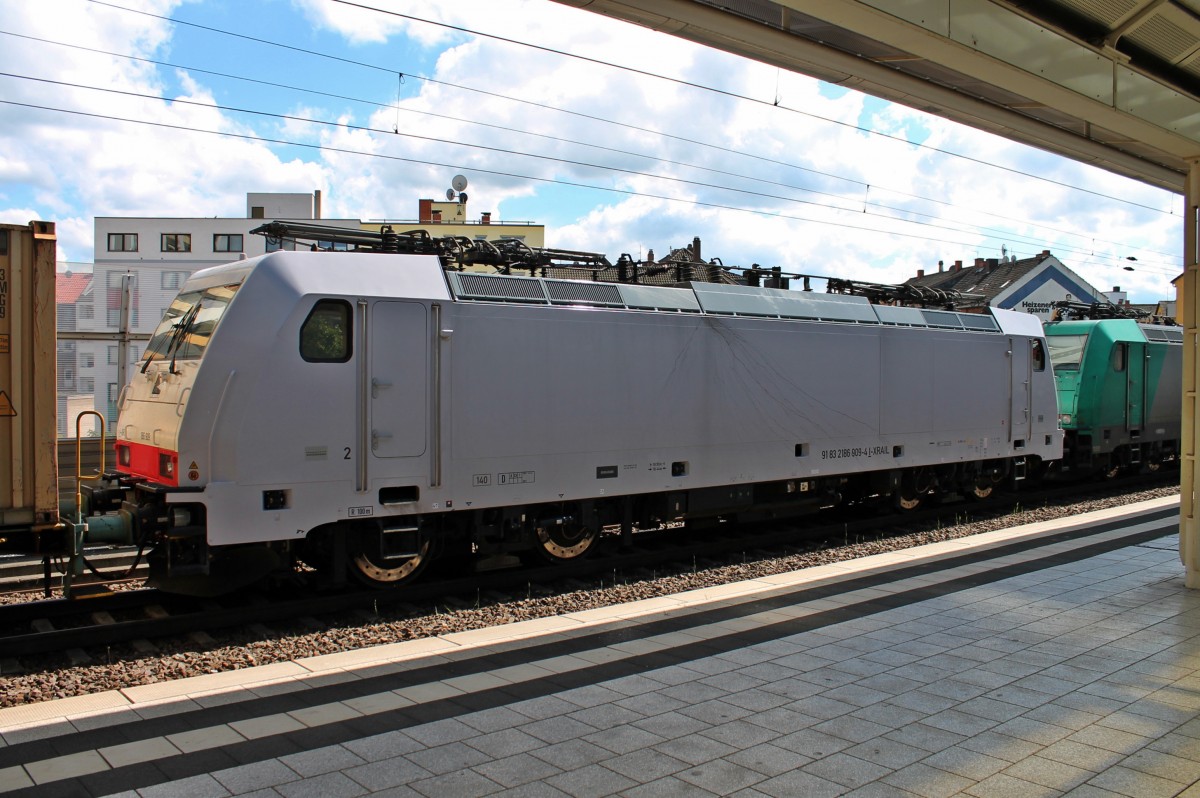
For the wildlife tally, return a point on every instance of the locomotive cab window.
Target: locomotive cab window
(325, 336)
(1066, 351)
(188, 324)
(1038, 354)
(1119, 357)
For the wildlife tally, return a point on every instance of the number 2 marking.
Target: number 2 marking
(347, 455)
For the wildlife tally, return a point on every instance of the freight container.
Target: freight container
(28, 451)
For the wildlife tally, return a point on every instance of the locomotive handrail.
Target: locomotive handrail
(179, 404)
(79, 477)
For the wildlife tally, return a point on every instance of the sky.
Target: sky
(180, 107)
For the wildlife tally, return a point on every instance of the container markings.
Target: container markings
(6, 406)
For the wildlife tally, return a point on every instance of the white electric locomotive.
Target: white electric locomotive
(362, 413)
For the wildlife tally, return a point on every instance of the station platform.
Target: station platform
(1057, 658)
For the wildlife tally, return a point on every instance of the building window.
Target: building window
(87, 360)
(122, 242)
(87, 384)
(258, 211)
(114, 317)
(111, 415)
(277, 244)
(176, 242)
(172, 280)
(112, 356)
(86, 311)
(227, 242)
(512, 238)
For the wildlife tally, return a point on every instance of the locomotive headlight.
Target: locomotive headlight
(1064, 418)
(123, 456)
(166, 465)
(180, 516)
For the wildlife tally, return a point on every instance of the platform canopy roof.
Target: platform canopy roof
(1113, 83)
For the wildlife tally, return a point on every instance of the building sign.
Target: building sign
(1044, 287)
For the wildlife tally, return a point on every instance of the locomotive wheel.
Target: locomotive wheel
(370, 565)
(565, 542)
(981, 490)
(982, 487)
(912, 489)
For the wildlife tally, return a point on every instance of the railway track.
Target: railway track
(134, 619)
(27, 574)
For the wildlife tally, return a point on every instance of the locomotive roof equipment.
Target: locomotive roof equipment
(511, 256)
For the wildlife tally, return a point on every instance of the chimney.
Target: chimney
(957, 266)
(940, 267)
(425, 211)
(920, 273)
(486, 218)
(696, 250)
(1045, 253)
(992, 263)
(317, 204)
(980, 263)
(1116, 289)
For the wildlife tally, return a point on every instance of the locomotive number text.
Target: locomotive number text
(854, 451)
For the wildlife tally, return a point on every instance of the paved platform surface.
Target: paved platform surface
(1062, 658)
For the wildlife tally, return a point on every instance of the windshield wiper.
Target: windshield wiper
(154, 350)
(181, 330)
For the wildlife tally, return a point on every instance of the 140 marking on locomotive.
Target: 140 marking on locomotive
(504, 478)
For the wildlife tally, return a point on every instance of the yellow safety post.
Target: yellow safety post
(79, 528)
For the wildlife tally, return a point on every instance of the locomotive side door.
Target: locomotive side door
(1019, 421)
(1135, 385)
(398, 387)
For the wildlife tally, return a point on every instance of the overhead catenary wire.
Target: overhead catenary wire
(660, 159)
(495, 172)
(734, 95)
(484, 147)
(986, 232)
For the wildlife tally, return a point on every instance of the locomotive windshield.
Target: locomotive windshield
(1066, 351)
(188, 324)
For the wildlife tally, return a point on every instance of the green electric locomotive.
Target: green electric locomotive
(1118, 385)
